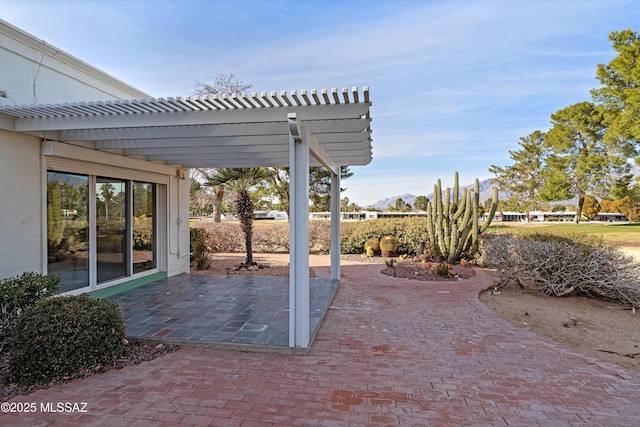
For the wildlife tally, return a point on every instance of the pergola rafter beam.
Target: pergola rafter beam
(245, 129)
(185, 118)
(345, 139)
(248, 153)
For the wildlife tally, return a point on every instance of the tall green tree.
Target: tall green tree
(107, 193)
(278, 187)
(620, 91)
(241, 180)
(347, 205)
(278, 184)
(626, 192)
(580, 162)
(320, 187)
(524, 178)
(400, 206)
(421, 203)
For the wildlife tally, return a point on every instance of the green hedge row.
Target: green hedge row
(409, 233)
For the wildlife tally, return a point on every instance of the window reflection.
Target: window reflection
(143, 226)
(68, 229)
(111, 228)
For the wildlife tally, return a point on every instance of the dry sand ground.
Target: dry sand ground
(606, 330)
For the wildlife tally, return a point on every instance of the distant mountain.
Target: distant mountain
(486, 192)
(391, 201)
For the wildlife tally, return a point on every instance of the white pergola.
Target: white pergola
(295, 130)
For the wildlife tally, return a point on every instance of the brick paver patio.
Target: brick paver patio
(389, 352)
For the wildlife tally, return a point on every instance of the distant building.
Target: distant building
(542, 216)
(274, 215)
(610, 217)
(365, 215)
(534, 216)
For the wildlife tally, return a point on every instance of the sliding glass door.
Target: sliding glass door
(112, 237)
(144, 226)
(92, 243)
(68, 229)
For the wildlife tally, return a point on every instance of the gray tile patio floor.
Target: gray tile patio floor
(232, 311)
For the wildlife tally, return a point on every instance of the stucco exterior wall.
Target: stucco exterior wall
(35, 72)
(20, 204)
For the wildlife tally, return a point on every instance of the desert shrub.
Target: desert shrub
(319, 236)
(409, 233)
(66, 337)
(442, 270)
(571, 238)
(562, 265)
(222, 236)
(271, 238)
(199, 248)
(225, 237)
(267, 238)
(17, 294)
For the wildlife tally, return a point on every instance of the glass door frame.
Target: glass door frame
(93, 273)
(125, 265)
(159, 227)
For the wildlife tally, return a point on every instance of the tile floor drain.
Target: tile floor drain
(253, 328)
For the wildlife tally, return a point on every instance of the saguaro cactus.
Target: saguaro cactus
(453, 222)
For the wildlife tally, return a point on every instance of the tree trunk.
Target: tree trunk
(218, 195)
(244, 207)
(576, 220)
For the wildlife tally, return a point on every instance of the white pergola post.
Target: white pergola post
(335, 224)
(299, 236)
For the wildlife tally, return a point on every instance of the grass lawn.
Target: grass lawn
(627, 235)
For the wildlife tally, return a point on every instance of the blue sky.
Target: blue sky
(454, 84)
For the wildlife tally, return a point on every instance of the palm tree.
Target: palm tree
(241, 180)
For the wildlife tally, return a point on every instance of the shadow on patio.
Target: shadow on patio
(248, 313)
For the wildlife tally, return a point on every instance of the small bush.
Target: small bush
(271, 238)
(563, 265)
(199, 248)
(225, 237)
(442, 270)
(66, 337)
(17, 294)
(319, 236)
